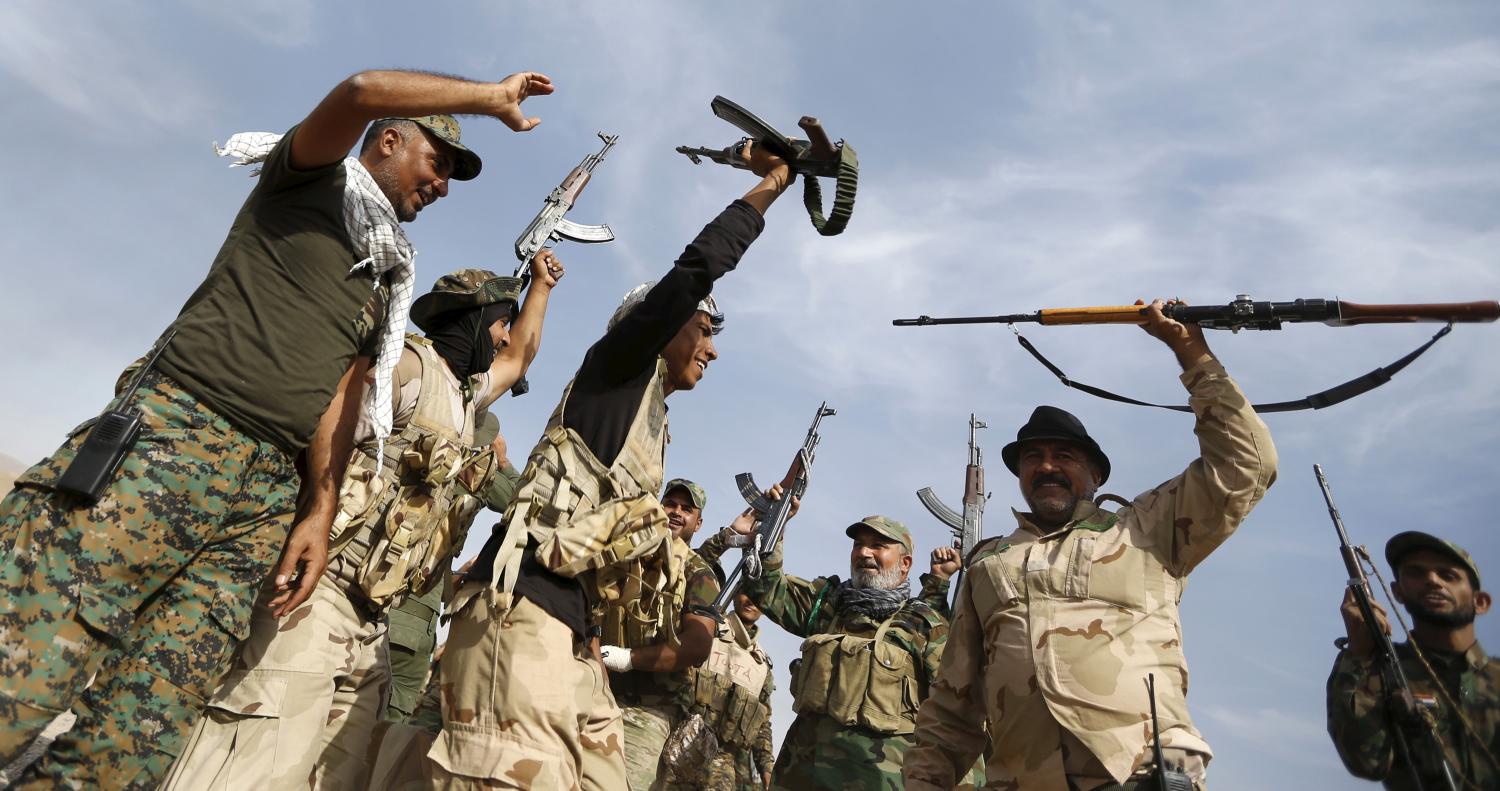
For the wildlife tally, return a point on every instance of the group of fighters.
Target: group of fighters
(290, 415)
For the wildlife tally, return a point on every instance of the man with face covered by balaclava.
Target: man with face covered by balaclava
(308, 688)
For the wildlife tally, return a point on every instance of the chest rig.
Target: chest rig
(855, 680)
(726, 689)
(600, 524)
(404, 513)
(649, 609)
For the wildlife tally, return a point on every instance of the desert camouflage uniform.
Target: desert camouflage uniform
(1053, 636)
(1360, 726)
(151, 589)
(818, 750)
(301, 703)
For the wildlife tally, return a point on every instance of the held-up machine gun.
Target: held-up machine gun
(774, 513)
(551, 225)
(1400, 703)
(966, 526)
(814, 158)
(1245, 313)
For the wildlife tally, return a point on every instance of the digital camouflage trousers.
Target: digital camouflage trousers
(147, 592)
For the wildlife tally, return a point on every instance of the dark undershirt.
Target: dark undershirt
(609, 386)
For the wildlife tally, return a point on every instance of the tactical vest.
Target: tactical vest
(864, 681)
(590, 521)
(726, 689)
(649, 609)
(404, 514)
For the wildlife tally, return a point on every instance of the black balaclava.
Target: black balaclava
(462, 337)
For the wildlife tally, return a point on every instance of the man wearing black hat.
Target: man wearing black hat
(1057, 626)
(1456, 686)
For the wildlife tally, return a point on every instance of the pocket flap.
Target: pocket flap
(489, 755)
(250, 693)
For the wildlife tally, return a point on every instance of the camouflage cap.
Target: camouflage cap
(700, 497)
(466, 288)
(1403, 544)
(886, 526)
(466, 164)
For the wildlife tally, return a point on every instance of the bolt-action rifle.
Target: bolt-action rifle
(966, 527)
(1242, 313)
(774, 513)
(814, 158)
(551, 224)
(1245, 313)
(1401, 705)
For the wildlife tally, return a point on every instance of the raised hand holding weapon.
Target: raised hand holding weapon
(967, 526)
(1245, 313)
(774, 512)
(1400, 702)
(551, 224)
(815, 157)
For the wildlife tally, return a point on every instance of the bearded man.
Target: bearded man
(1455, 684)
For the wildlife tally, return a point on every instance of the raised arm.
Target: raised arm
(512, 361)
(1195, 512)
(336, 124)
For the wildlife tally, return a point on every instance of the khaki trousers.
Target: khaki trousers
(300, 706)
(524, 705)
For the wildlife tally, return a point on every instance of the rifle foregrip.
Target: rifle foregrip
(1107, 314)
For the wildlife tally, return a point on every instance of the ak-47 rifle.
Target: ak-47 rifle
(813, 158)
(774, 513)
(966, 527)
(551, 224)
(1245, 313)
(1401, 705)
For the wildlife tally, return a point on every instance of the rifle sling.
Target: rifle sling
(843, 195)
(1321, 400)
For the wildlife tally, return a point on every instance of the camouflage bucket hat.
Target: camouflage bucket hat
(700, 497)
(1403, 544)
(466, 288)
(886, 526)
(445, 128)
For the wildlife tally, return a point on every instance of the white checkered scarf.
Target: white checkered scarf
(381, 246)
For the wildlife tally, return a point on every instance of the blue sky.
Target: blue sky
(1014, 155)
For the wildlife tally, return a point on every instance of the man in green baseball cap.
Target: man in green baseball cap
(868, 627)
(1451, 677)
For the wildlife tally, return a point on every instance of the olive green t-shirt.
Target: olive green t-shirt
(266, 337)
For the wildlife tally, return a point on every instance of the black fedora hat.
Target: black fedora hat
(1049, 422)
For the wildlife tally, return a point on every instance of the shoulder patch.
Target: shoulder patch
(986, 548)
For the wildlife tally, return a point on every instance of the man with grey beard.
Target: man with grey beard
(870, 651)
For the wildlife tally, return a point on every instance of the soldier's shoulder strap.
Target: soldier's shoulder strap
(986, 548)
(830, 583)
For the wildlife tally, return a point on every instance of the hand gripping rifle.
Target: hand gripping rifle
(1245, 313)
(816, 157)
(966, 527)
(551, 226)
(1400, 703)
(774, 513)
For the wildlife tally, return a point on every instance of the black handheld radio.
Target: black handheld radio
(112, 436)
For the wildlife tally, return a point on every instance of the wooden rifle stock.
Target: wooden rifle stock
(1353, 313)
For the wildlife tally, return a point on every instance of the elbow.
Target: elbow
(358, 90)
(694, 653)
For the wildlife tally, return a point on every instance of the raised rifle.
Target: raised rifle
(1246, 313)
(774, 513)
(966, 527)
(551, 224)
(1401, 705)
(814, 158)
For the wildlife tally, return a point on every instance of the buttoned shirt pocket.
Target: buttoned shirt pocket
(991, 585)
(1114, 568)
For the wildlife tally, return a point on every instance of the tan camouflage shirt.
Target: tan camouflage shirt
(1054, 634)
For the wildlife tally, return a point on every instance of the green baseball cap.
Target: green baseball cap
(700, 497)
(1403, 544)
(466, 288)
(886, 526)
(445, 128)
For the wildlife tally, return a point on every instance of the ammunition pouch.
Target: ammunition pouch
(863, 681)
